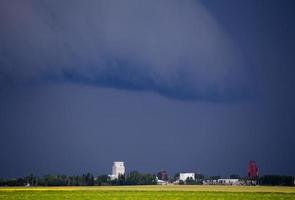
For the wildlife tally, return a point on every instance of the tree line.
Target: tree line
(272, 180)
(266, 180)
(132, 178)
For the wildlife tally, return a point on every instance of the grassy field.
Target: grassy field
(149, 192)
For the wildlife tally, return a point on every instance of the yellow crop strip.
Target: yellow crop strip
(204, 188)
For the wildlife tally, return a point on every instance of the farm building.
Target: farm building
(185, 176)
(117, 169)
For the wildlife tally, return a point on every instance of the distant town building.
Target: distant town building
(185, 176)
(229, 181)
(252, 170)
(117, 169)
(161, 182)
(163, 175)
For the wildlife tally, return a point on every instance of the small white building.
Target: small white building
(228, 181)
(161, 182)
(185, 176)
(117, 169)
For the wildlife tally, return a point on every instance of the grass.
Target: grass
(148, 192)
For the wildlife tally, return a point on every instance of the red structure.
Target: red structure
(252, 170)
(163, 175)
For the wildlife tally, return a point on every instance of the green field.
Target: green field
(149, 192)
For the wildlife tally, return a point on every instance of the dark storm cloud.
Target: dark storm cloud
(174, 48)
(66, 68)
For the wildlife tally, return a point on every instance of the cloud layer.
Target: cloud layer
(171, 47)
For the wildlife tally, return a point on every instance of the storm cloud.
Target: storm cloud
(174, 48)
(184, 85)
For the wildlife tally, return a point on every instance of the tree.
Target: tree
(190, 181)
(133, 178)
(199, 178)
(213, 177)
(148, 179)
(103, 180)
(121, 179)
(234, 176)
(176, 176)
(276, 180)
(30, 179)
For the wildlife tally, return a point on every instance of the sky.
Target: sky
(195, 85)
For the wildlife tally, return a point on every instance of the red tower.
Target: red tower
(163, 175)
(252, 170)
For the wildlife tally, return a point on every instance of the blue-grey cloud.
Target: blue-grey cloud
(174, 48)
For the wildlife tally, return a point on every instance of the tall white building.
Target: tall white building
(117, 169)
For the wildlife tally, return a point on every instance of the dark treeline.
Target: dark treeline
(133, 178)
(276, 180)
